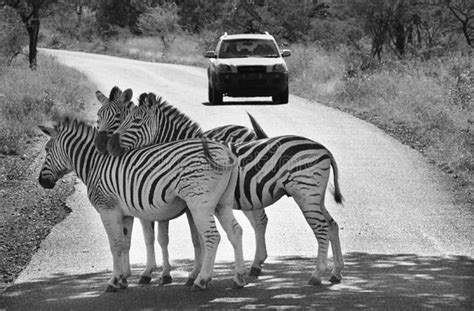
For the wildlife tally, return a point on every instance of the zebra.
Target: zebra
(113, 110)
(110, 116)
(268, 169)
(156, 183)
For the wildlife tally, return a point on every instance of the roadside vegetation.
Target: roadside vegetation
(29, 98)
(405, 66)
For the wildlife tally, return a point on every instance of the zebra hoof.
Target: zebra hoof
(314, 281)
(335, 280)
(190, 282)
(123, 284)
(110, 289)
(256, 272)
(144, 279)
(236, 285)
(166, 279)
(197, 288)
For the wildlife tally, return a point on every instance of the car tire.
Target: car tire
(215, 97)
(281, 98)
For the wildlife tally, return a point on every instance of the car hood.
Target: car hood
(250, 61)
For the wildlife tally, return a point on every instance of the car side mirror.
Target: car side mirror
(285, 53)
(210, 54)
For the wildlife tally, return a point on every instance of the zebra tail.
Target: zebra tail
(212, 162)
(257, 128)
(337, 191)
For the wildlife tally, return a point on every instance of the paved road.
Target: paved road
(406, 244)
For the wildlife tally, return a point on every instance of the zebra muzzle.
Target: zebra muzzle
(100, 141)
(113, 146)
(46, 182)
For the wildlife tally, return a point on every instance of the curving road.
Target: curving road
(406, 244)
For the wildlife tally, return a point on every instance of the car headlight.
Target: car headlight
(223, 68)
(279, 68)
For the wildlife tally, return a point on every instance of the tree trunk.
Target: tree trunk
(32, 27)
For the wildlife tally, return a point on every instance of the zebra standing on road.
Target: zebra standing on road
(268, 169)
(110, 116)
(156, 183)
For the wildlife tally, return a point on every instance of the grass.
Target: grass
(29, 98)
(425, 104)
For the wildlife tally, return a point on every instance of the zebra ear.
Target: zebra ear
(142, 100)
(126, 96)
(151, 100)
(51, 132)
(101, 97)
(115, 93)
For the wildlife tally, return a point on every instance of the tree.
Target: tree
(161, 21)
(463, 11)
(12, 35)
(29, 11)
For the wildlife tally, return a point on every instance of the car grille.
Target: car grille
(251, 69)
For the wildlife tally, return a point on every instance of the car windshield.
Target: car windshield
(248, 48)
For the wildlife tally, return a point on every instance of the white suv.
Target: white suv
(247, 65)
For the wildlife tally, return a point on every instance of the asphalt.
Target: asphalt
(406, 244)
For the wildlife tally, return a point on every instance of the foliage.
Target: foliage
(12, 35)
(29, 98)
(161, 21)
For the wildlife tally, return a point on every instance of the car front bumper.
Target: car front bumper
(251, 84)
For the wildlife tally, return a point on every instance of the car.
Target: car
(247, 65)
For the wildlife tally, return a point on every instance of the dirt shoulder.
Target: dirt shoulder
(27, 212)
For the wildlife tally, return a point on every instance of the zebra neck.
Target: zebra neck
(83, 156)
(176, 128)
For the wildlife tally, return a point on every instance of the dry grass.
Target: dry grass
(29, 98)
(428, 105)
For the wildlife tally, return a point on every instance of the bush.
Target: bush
(30, 98)
(426, 104)
(12, 35)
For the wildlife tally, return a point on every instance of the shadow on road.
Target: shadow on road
(370, 281)
(244, 103)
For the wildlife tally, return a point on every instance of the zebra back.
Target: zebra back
(71, 148)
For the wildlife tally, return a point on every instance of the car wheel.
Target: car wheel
(216, 96)
(281, 98)
(209, 94)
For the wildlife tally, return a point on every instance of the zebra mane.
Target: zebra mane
(69, 121)
(161, 105)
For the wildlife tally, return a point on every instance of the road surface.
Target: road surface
(406, 244)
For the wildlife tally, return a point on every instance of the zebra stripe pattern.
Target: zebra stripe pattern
(110, 116)
(112, 112)
(155, 183)
(268, 169)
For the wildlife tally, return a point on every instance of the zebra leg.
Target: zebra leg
(311, 205)
(234, 234)
(127, 222)
(258, 219)
(210, 237)
(336, 274)
(198, 250)
(149, 236)
(112, 221)
(163, 240)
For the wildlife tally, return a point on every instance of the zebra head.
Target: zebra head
(111, 114)
(138, 127)
(56, 164)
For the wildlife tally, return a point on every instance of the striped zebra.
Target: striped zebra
(110, 116)
(113, 110)
(268, 169)
(155, 183)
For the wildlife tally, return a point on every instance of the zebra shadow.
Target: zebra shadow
(244, 103)
(374, 281)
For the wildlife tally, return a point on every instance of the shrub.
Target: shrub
(32, 97)
(12, 35)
